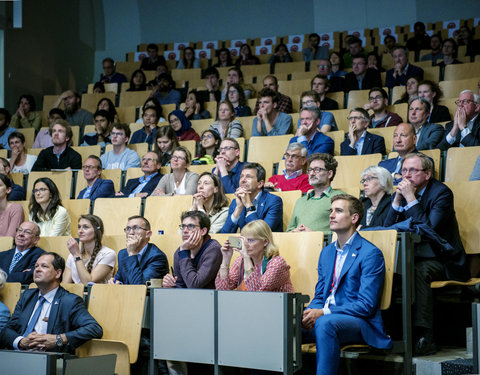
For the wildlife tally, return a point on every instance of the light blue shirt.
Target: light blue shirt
(359, 144)
(409, 205)
(4, 137)
(326, 118)
(143, 181)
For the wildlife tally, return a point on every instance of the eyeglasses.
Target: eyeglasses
(118, 134)
(226, 148)
(411, 171)
(26, 231)
(307, 103)
(39, 190)
(367, 179)
(356, 118)
(464, 101)
(175, 157)
(317, 170)
(206, 136)
(189, 226)
(135, 228)
(88, 167)
(373, 98)
(322, 66)
(290, 156)
(233, 91)
(148, 160)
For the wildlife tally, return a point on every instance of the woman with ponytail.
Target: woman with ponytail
(89, 261)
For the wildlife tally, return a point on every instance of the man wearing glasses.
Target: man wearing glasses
(313, 99)
(311, 212)
(377, 102)
(96, 186)
(145, 185)
(229, 165)
(325, 69)
(429, 202)
(359, 141)
(464, 130)
(19, 262)
(140, 261)
(362, 77)
(121, 156)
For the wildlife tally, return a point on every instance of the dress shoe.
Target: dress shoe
(424, 346)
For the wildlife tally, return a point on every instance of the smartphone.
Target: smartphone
(235, 242)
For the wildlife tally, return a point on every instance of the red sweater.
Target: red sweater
(189, 135)
(297, 183)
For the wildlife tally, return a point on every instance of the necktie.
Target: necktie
(15, 260)
(35, 317)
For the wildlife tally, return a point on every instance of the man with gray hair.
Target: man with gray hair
(464, 130)
(358, 140)
(428, 135)
(314, 141)
(294, 176)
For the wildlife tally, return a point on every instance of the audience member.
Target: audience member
(165, 91)
(182, 126)
(188, 60)
(321, 85)
(26, 115)
(402, 70)
(252, 202)
(246, 57)
(11, 214)
(229, 167)
(68, 324)
(236, 96)
(428, 202)
(211, 200)
(165, 142)
(194, 107)
(89, 261)
(20, 161)
(103, 127)
(141, 260)
(212, 83)
(464, 130)
(227, 126)
(325, 69)
(180, 181)
(19, 262)
(362, 77)
(46, 209)
(75, 115)
(121, 157)
(311, 212)
(259, 266)
(224, 58)
(270, 121)
(314, 51)
(235, 75)
(159, 70)
(355, 49)
(4, 311)
(144, 185)
(96, 186)
(208, 148)
(153, 60)
(312, 99)
(346, 309)
(420, 39)
(374, 62)
(293, 177)
(5, 128)
(432, 92)
(60, 155)
(308, 135)
(280, 55)
(284, 101)
(337, 65)
(464, 37)
(151, 102)
(18, 192)
(449, 51)
(411, 90)
(109, 74)
(44, 138)
(429, 135)
(99, 88)
(138, 81)
(390, 43)
(436, 50)
(377, 185)
(358, 140)
(147, 134)
(381, 117)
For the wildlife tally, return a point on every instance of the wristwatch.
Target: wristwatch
(59, 341)
(251, 209)
(77, 259)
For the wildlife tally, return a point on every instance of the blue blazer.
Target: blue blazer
(17, 194)
(152, 265)
(101, 189)
(373, 144)
(359, 287)
(4, 315)
(27, 262)
(412, 71)
(148, 188)
(391, 164)
(68, 315)
(430, 136)
(269, 209)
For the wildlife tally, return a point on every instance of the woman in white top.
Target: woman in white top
(90, 262)
(20, 161)
(46, 209)
(180, 181)
(211, 199)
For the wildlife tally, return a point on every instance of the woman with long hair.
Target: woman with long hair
(106, 104)
(165, 142)
(26, 116)
(235, 75)
(194, 107)
(46, 209)
(138, 81)
(246, 57)
(89, 261)
(11, 213)
(188, 60)
(411, 90)
(227, 125)
(338, 66)
(432, 92)
(208, 148)
(224, 58)
(236, 96)
(20, 161)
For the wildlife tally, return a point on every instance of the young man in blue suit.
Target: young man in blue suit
(253, 203)
(145, 185)
(358, 140)
(346, 306)
(428, 135)
(140, 261)
(49, 318)
(19, 262)
(96, 186)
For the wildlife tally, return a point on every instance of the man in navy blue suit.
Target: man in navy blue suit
(96, 186)
(140, 261)
(427, 201)
(428, 135)
(19, 262)
(145, 185)
(346, 306)
(402, 69)
(358, 140)
(253, 203)
(229, 166)
(49, 318)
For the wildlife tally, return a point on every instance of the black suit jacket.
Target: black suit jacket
(380, 214)
(148, 188)
(336, 84)
(27, 262)
(473, 139)
(68, 315)
(412, 71)
(373, 144)
(372, 79)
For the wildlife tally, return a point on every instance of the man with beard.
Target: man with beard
(74, 113)
(60, 155)
(165, 90)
